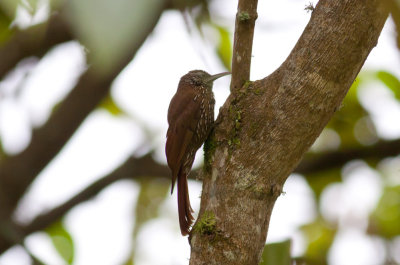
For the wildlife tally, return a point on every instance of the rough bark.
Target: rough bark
(265, 127)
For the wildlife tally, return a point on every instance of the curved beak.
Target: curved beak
(213, 77)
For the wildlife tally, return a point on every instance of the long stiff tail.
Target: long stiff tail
(184, 209)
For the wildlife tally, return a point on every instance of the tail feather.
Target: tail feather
(184, 208)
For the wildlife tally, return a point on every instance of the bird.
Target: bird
(190, 120)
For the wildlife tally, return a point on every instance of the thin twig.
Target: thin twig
(243, 42)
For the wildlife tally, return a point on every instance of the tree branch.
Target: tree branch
(267, 126)
(336, 159)
(243, 42)
(134, 168)
(18, 172)
(258, 144)
(34, 41)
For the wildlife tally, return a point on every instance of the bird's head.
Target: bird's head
(202, 78)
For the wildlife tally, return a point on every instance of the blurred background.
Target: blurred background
(84, 93)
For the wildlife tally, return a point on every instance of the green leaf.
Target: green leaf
(276, 253)
(109, 29)
(9, 7)
(62, 241)
(385, 220)
(152, 194)
(345, 119)
(390, 81)
(319, 236)
(5, 31)
(320, 180)
(109, 104)
(352, 93)
(224, 48)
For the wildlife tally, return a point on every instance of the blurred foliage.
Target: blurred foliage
(318, 181)
(385, 219)
(109, 105)
(200, 13)
(390, 82)
(108, 36)
(355, 128)
(276, 254)
(5, 22)
(203, 19)
(9, 7)
(30, 5)
(224, 47)
(62, 241)
(345, 119)
(153, 192)
(394, 8)
(319, 237)
(352, 121)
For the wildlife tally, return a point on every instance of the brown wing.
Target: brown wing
(183, 116)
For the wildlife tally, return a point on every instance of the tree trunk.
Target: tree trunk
(266, 126)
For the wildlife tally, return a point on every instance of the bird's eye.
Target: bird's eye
(197, 81)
